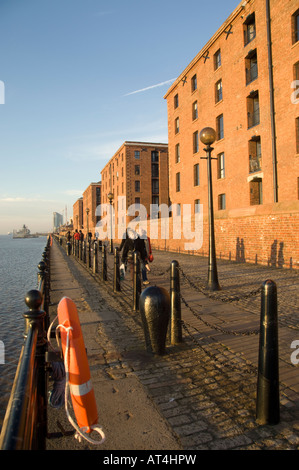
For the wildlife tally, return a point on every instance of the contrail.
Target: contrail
(150, 87)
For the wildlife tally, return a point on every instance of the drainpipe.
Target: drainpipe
(272, 110)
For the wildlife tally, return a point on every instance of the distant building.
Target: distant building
(138, 173)
(91, 199)
(57, 221)
(244, 83)
(78, 214)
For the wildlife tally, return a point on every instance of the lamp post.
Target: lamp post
(208, 136)
(110, 197)
(87, 212)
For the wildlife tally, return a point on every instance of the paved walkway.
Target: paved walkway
(202, 393)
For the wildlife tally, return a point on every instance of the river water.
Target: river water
(18, 274)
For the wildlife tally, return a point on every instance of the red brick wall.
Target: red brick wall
(236, 183)
(78, 214)
(119, 176)
(267, 232)
(268, 237)
(90, 202)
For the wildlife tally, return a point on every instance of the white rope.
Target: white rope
(80, 431)
(49, 334)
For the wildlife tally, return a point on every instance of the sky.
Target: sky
(77, 79)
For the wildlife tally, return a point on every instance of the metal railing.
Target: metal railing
(25, 421)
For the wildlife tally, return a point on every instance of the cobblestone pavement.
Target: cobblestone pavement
(205, 387)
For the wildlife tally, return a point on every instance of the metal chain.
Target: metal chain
(217, 296)
(251, 369)
(215, 327)
(160, 273)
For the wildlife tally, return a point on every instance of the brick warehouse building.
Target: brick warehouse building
(138, 171)
(78, 214)
(84, 209)
(242, 84)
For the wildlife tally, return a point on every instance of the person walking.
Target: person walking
(148, 253)
(132, 242)
(76, 235)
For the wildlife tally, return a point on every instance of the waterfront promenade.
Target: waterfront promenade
(200, 395)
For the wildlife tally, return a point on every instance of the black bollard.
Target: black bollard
(175, 304)
(267, 406)
(80, 250)
(89, 253)
(154, 305)
(136, 281)
(116, 273)
(68, 248)
(84, 251)
(104, 263)
(95, 257)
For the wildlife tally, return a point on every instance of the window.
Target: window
(253, 109)
(176, 101)
(196, 174)
(137, 154)
(256, 191)
(155, 186)
(255, 154)
(217, 59)
(155, 200)
(137, 169)
(251, 67)
(177, 126)
(220, 166)
(194, 110)
(219, 127)
(177, 153)
(194, 83)
(155, 170)
(137, 200)
(218, 91)
(98, 196)
(295, 27)
(137, 186)
(197, 206)
(297, 135)
(155, 156)
(221, 202)
(249, 29)
(178, 181)
(178, 209)
(195, 142)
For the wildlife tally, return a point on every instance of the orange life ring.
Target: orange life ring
(81, 389)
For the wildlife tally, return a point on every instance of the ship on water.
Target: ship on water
(24, 232)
